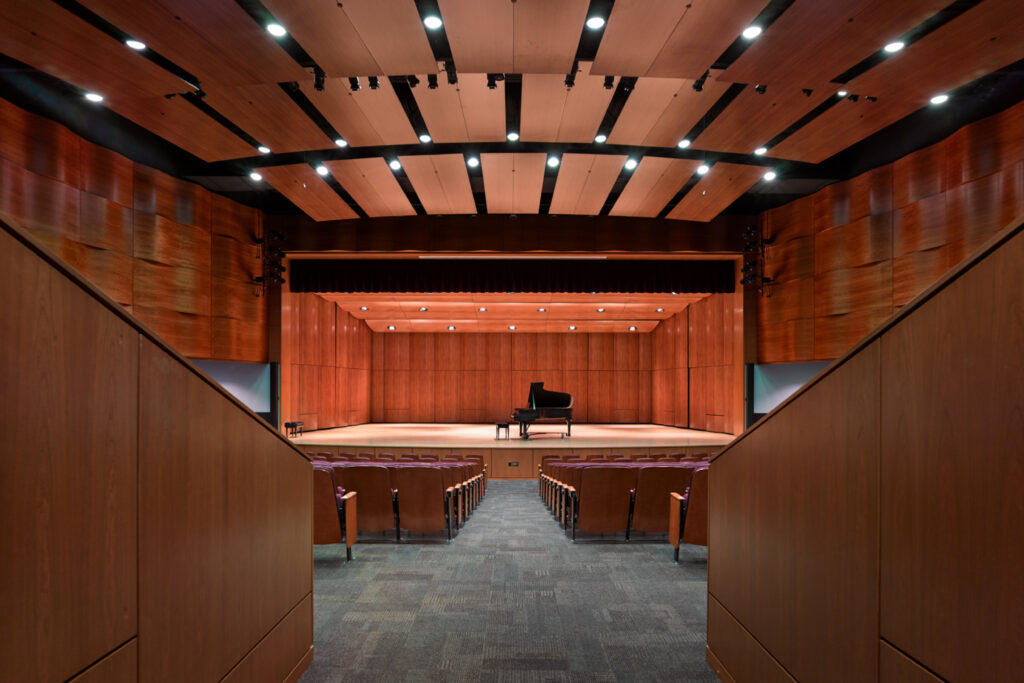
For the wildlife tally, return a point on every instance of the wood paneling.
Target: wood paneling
(466, 112)
(660, 111)
(949, 446)
(393, 33)
(480, 34)
(366, 117)
(267, 113)
(328, 35)
(372, 185)
(747, 658)
(308, 191)
(553, 113)
(716, 190)
(654, 182)
(275, 657)
(68, 491)
(635, 34)
(814, 611)
(45, 147)
(513, 182)
(896, 667)
(752, 119)
(120, 666)
(441, 182)
(584, 181)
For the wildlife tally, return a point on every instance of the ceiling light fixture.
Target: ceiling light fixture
(413, 81)
(391, 327)
(341, 142)
(492, 82)
(572, 327)
(542, 310)
(353, 83)
(630, 164)
(751, 32)
(632, 328)
(321, 169)
(698, 84)
(760, 89)
(609, 82)
(939, 99)
(512, 136)
(374, 82)
(363, 308)
(594, 23)
(395, 164)
(894, 46)
(482, 309)
(432, 81)
(512, 327)
(135, 44)
(451, 328)
(683, 144)
(842, 93)
(93, 97)
(553, 162)
(276, 30)
(472, 162)
(256, 176)
(770, 175)
(263, 149)
(761, 151)
(600, 138)
(422, 309)
(659, 310)
(702, 169)
(600, 310)
(432, 22)
(424, 138)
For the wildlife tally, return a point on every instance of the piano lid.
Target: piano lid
(542, 398)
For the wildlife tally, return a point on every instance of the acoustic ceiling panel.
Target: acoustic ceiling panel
(267, 113)
(480, 34)
(441, 183)
(513, 182)
(635, 34)
(753, 119)
(584, 182)
(654, 182)
(552, 112)
(372, 185)
(325, 32)
(213, 39)
(365, 118)
(393, 33)
(714, 192)
(308, 191)
(466, 112)
(706, 29)
(678, 117)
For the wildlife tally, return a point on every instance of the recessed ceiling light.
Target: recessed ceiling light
(659, 310)
(894, 46)
(256, 176)
(424, 138)
(363, 308)
(683, 144)
(939, 99)
(632, 328)
(391, 327)
(512, 136)
(761, 151)
(630, 164)
(135, 44)
(842, 93)
(472, 162)
(432, 22)
(600, 310)
(770, 175)
(542, 310)
(673, 293)
(702, 169)
(93, 97)
(263, 149)
(601, 138)
(553, 161)
(276, 30)
(451, 328)
(512, 327)
(572, 327)
(751, 32)
(594, 23)
(394, 164)
(423, 308)
(341, 142)
(321, 169)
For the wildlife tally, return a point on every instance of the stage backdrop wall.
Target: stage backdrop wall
(178, 257)
(848, 256)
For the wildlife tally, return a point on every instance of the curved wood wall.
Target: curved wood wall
(848, 256)
(180, 258)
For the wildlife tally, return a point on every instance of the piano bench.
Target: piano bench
(497, 430)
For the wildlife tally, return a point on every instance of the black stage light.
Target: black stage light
(854, 98)
(374, 82)
(807, 91)
(449, 68)
(492, 81)
(432, 81)
(609, 82)
(353, 83)
(760, 89)
(413, 81)
(570, 78)
(318, 79)
(698, 84)
(274, 251)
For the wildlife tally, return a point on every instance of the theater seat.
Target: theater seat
(326, 523)
(653, 486)
(695, 522)
(603, 500)
(424, 502)
(376, 502)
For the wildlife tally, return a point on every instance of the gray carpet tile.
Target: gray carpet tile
(510, 599)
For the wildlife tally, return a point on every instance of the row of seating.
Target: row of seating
(416, 497)
(609, 498)
(371, 456)
(627, 458)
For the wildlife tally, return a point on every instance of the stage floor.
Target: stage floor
(482, 436)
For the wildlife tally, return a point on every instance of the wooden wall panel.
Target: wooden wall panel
(120, 666)
(275, 657)
(896, 667)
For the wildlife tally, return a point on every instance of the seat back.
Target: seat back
(429, 457)
(326, 525)
(590, 457)
(420, 498)
(695, 528)
(373, 486)
(408, 457)
(604, 498)
(384, 457)
(653, 486)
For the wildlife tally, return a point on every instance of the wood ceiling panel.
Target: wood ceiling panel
(522, 327)
(655, 181)
(213, 39)
(839, 127)
(480, 34)
(812, 42)
(553, 113)
(308, 191)
(546, 34)
(649, 101)
(683, 112)
(466, 112)
(753, 119)
(365, 118)
(372, 185)
(184, 125)
(441, 183)
(265, 112)
(393, 33)
(325, 31)
(986, 37)
(704, 32)
(635, 34)
(713, 193)
(513, 182)
(584, 181)
(52, 39)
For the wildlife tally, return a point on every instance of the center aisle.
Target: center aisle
(510, 599)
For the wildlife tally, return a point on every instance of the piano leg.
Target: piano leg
(568, 428)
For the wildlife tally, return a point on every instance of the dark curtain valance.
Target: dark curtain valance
(511, 275)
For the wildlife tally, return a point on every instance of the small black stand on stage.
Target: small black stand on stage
(497, 430)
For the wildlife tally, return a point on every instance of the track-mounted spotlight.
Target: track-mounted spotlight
(413, 81)
(353, 83)
(374, 82)
(760, 89)
(449, 68)
(698, 84)
(492, 82)
(318, 79)
(570, 78)
(432, 81)
(609, 82)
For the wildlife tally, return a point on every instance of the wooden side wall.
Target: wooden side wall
(179, 257)
(849, 255)
(155, 529)
(869, 528)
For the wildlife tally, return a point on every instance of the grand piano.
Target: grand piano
(545, 405)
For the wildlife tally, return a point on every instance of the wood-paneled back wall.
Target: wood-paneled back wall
(849, 255)
(180, 258)
(325, 364)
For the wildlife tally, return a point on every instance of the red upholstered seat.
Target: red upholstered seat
(695, 527)
(326, 524)
(372, 483)
(423, 499)
(653, 486)
(604, 496)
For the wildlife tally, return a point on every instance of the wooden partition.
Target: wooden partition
(179, 257)
(848, 256)
(155, 529)
(869, 528)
